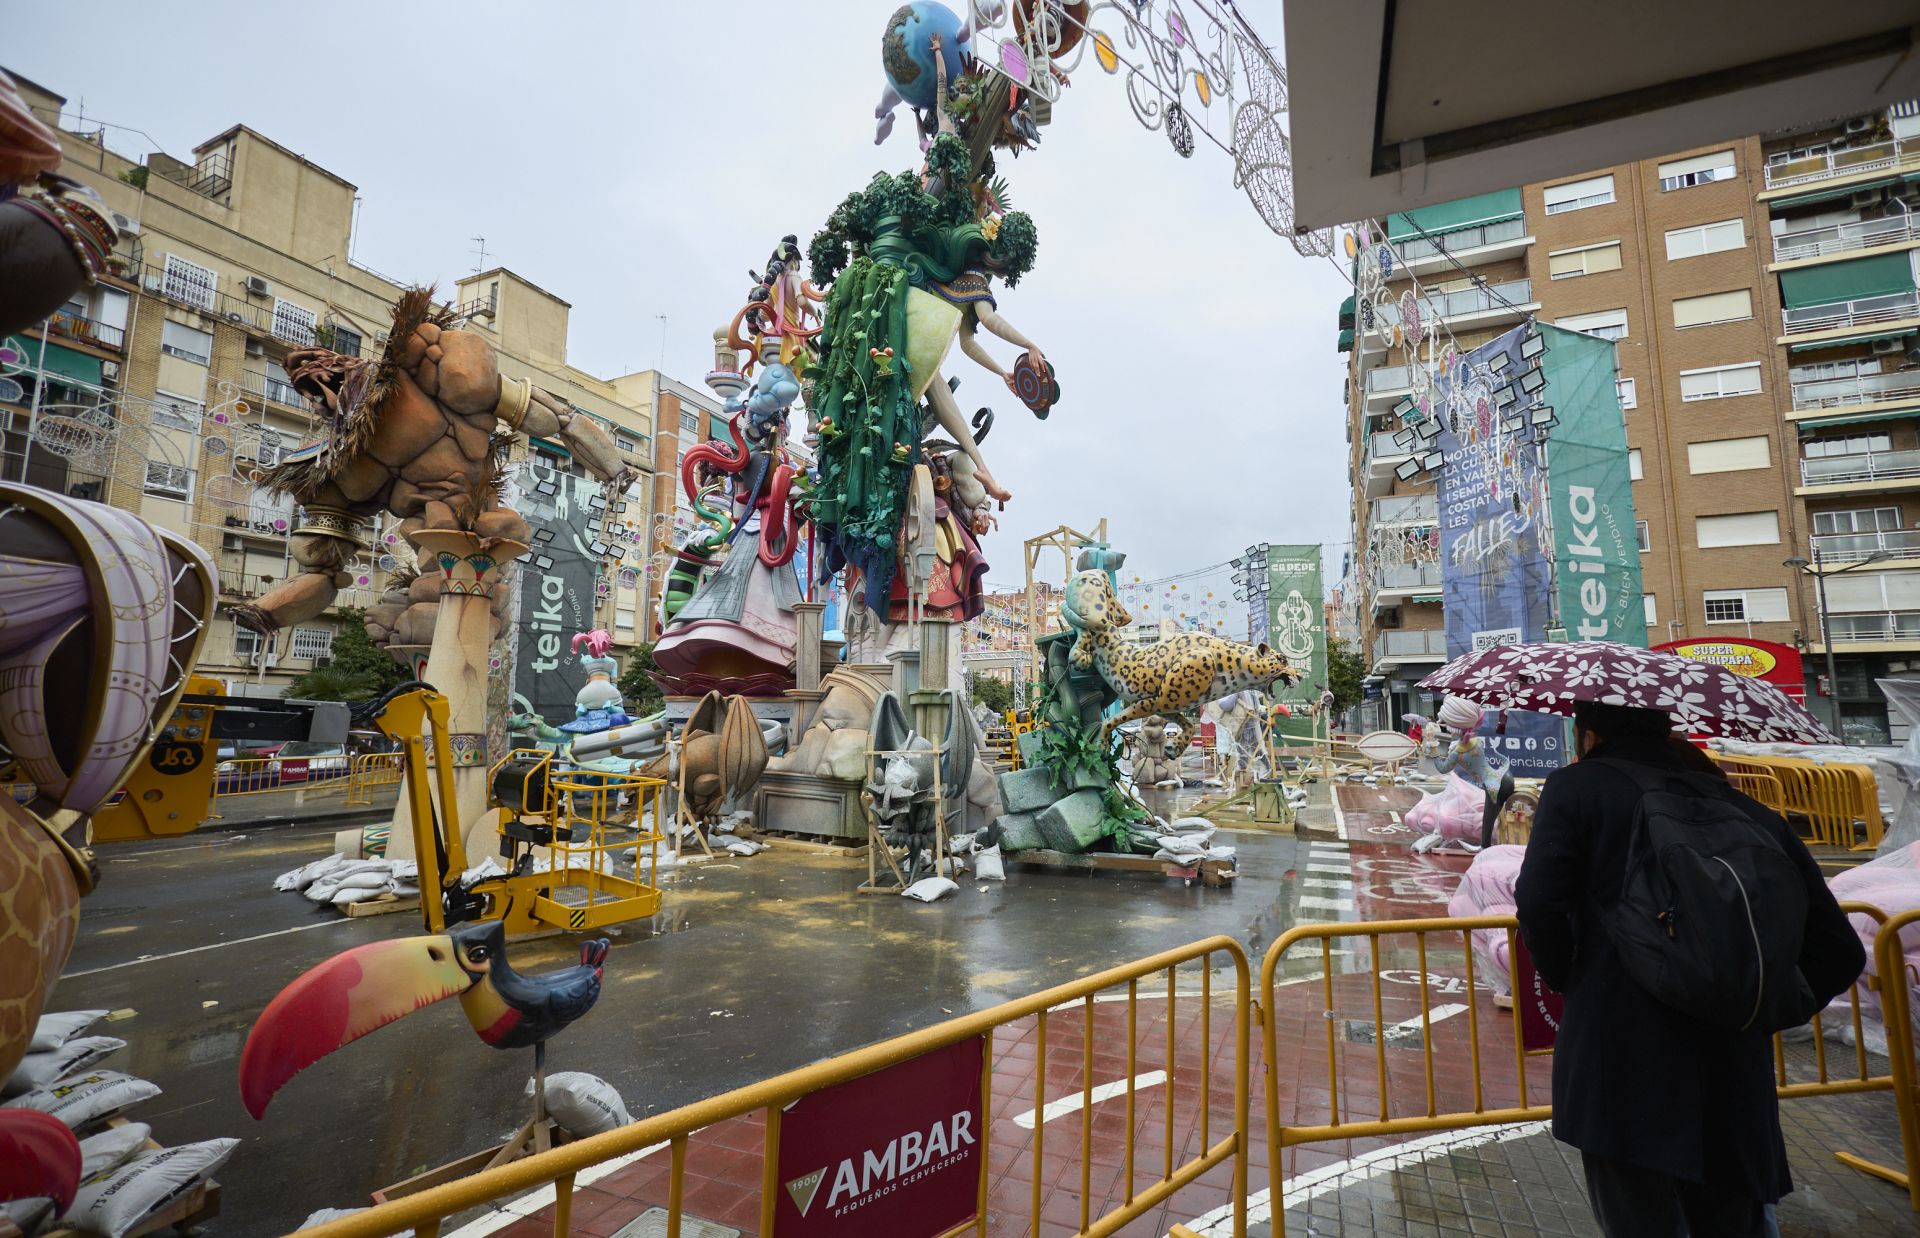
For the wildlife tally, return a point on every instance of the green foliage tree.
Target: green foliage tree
(641, 694)
(137, 177)
(357, 669)
(1346, 669)
(989, 693)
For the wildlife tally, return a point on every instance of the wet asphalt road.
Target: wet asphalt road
(755, 966)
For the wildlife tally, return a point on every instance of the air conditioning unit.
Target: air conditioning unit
(1883, 348)
(1913, 356)
(110, 370)
(267, 453)
(1860, 124)
(236, 316)
(151, 283)
(1865, 198)
(256, 348)
(256, 286)
(125, 225)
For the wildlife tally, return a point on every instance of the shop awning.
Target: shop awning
(1898, 414)
(551, 448)
(1834, 195)
(1346, 314)
(1482, 208)
(1865, 337)
(1853, 280)
(59, 363)
(1346, 341)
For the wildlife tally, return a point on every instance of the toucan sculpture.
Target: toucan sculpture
(370, 986)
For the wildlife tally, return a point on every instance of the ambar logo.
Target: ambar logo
(804, 1188)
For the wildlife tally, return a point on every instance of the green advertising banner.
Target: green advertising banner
(1296, 625)
(1596, 556)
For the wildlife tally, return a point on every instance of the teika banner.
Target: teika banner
(893, 1154)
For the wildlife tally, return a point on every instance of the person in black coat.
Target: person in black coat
(1677, 1121)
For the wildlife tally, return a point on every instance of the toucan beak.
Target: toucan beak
(340, 1001)
(39, 1158)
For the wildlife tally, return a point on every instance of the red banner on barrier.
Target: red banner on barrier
(1537, 1006)
(893, 1154)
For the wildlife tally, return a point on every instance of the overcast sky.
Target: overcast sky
(637, 159)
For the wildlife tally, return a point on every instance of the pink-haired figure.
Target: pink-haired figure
(599, 694)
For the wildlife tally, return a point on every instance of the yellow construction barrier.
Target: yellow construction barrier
(1896, 981)
(1422, 1110)
(370, 770)
(265, 775)
(424, 1213)
(1840, 803)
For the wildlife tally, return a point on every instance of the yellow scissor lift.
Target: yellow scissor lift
(567, 814)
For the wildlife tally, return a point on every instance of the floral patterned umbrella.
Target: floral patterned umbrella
(1703, 698)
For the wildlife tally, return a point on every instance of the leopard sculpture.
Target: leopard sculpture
(1175, 677)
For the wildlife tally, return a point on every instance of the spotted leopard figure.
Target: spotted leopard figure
(1174, 677)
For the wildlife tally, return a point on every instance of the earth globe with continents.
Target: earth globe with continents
(906, 50)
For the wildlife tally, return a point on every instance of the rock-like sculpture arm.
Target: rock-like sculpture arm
(541, 414)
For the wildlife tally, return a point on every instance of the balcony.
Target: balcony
(269, 388)
(1381, 459)
(1508, 302)
(1412, 645)
(1388, 383)
(1890, 387)
(1843, 548)
(1865, 312)
(1882, 627)
(1863, 469)
(1843, 238)
(1406, 509)
(208, 301)
(1488, 242)
(1853, 161)
(89, 330)
(1394, 585)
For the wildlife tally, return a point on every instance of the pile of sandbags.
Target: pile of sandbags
(1186, 841)
(340, 881)
(1487, 890)
(124, 1176)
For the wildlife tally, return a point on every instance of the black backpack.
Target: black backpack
(1712, 909)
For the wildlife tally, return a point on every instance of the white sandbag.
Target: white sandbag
(116, 1202)
(928, 889)
(583, 1104)
(1194, 826)
(54, 1030)
(988, 864)
(39, 1070)
(489, 867)
(304, 876)
(82, 1100)
(113, 1146)
(358, 894)
(28, 1215)
(962, 844)
(403, 870)
(323, 1215)
(742, 846)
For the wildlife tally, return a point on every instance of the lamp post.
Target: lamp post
(1817, 567)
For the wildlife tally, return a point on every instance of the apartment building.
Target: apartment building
(1762, 300)
(162, 390)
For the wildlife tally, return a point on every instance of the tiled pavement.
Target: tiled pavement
(1487, 1181)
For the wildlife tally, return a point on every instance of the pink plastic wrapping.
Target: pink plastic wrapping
(1891, 883)
(1487, 890)
(1453, 812)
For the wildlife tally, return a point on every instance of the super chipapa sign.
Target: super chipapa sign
(893, 1154)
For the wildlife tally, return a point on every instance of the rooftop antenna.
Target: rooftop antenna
(481, 241)
(660, 366)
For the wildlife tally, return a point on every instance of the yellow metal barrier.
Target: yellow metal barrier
(1759, 785)
(1427, 1113)
(1841, 803)
(370, 770)
(265, 775)
(424, 1212)
(1896, 981)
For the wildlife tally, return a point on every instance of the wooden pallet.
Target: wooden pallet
(790, 841)
(1210, 872)
(386, 904)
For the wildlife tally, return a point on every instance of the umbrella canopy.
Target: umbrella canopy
(1703, 698)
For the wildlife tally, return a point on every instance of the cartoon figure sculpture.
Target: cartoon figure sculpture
(902, 785)
(363, 989)
(721, 754)
(917, 35)
(598, 705)
(101, 618)
(1175, 677)
(417, 434)
(1478, 781)
(1156, 766)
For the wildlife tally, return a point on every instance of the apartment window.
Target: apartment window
(1853, 367)
(1714, 307)
(177, 411)
(1720, 381)
(1859, 520)
(626, 443)
(1852, 445)
(1635, 470)
(246, 644)
(1745, 605)
(689, 422)
(1729, 455)
(1607, 324)
(346, 340)
(1629, 392)
(1578, 195)
(188, 282)
(1738, 529)
(624, 616)
(1586, 260)
(1870, 591)
(186, 343)
(1711, 238)
(1642, 536)
(312, 643)
(169, 481)
(1699, 170)
(293, 323)
(1647, 604)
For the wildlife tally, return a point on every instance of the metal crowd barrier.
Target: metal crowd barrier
(1421, 1110)
(1841, 803)
(370, 770)
(264, 775)
(425, 1212)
